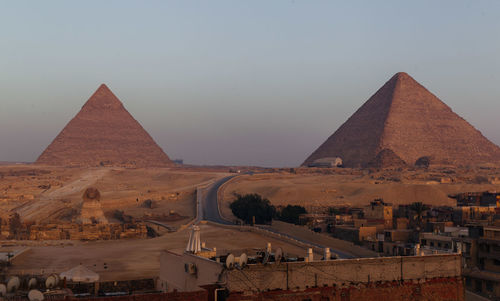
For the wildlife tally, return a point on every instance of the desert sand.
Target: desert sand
(43, 193)
(133, 259)
(316, 190)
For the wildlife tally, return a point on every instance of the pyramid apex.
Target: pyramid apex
(408, 119)
(103, 98)
(103, 88)
(402, 76)
(401, 73)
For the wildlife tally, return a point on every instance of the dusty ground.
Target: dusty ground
(356, 188)
(48, 193)
(133, 259)
(40, 193)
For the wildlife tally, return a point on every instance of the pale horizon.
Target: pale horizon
(238, 83)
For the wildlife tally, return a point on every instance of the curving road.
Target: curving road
(208, 203)
(208, 209)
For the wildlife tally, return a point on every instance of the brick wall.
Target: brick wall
(302, 275)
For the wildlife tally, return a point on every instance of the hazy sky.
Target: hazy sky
(238, 82)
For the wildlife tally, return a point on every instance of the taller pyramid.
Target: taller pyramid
(407, 119)
(104, 133)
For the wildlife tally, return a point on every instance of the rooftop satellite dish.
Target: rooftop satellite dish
(3, 289)
(32, 283)
(243, 260)
(13, 284)
(278, 256)
(51, 282)
(230, 261)
(35, 295)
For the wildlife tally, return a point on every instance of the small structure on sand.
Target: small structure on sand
(80, 273)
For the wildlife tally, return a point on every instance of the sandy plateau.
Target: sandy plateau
(50, 195)
(314, 189)
(46, 194)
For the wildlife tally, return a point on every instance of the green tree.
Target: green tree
(419, 209)
(291, 214)
(248, 206)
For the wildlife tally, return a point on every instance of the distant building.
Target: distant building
(485, 277)
(483, 199)
(355, 234)
(379, 212)
(465, 214)
(327, 162)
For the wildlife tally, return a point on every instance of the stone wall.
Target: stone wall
(434, 277)
(439, 289)
(343, 273)
(87, 231)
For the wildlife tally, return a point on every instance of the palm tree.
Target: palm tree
(419, 208)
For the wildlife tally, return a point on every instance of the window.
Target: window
(496, 262)
(479, 286)
(432, 244)
(489, 286)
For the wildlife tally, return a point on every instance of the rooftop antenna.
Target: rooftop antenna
(266, 257)
(194, 243)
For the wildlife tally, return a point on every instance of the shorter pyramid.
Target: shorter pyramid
(104, 133)
(386, 158)
(408, 122)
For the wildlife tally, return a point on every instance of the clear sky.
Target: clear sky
(238, 82)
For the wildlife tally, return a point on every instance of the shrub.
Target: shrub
(248, 206)
(291, 214)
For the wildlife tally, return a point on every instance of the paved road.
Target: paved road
(208, 210)
(209, 203)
